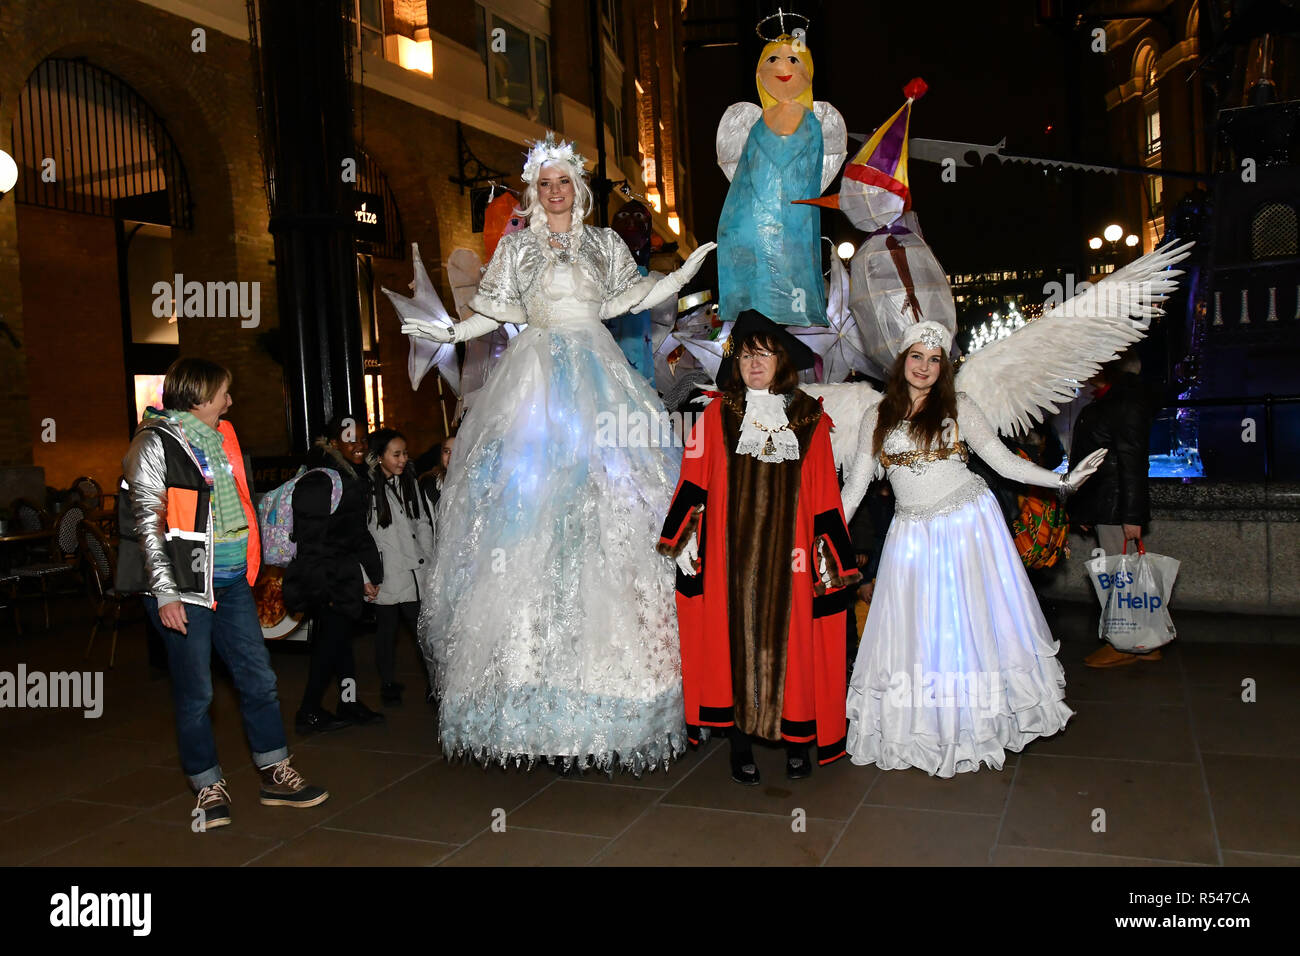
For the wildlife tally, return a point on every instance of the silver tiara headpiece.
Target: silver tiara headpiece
(550, 151)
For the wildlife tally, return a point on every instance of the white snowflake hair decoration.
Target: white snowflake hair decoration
(930, 334)
(548, 152)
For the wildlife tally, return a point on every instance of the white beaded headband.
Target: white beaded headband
(930, 334)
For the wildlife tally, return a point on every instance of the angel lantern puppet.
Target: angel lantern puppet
(769, 251)
(956, 665)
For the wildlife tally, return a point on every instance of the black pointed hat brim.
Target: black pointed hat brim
(751, 323)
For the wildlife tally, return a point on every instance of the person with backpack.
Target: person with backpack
(336, 567)
(190, 546)
(400, 522)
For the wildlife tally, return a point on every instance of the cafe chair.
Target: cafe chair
(9, 595)
(89, 492)
(28, 516)
(101, 557)
(62, 561)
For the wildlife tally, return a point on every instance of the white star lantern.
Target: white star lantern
(426, 306)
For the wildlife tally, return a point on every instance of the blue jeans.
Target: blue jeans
(233, 629)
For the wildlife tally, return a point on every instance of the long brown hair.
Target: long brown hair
(927, 425)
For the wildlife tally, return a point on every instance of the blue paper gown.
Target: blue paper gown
(769, 251)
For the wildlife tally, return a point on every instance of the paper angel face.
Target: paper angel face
(784, 74)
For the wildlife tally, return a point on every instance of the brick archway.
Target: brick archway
(206, 101)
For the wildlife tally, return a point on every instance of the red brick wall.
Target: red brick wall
(73, 342)
(417, 152)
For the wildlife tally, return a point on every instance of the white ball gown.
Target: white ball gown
(956, 664)
(552, 629)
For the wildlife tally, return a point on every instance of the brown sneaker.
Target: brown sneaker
(213, 808)
(1107, 656)
(1151, 655)
(282, 786)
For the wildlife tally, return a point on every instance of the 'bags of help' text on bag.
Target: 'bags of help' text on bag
(1134, 593)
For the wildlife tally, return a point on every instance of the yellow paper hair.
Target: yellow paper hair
(805, 99)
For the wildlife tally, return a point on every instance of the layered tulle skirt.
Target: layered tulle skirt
(956, 664)
(551, 630)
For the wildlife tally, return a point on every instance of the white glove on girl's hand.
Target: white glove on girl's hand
(1084, 469)
(470, 328)
(434, 332)
(670, 285)
(688, 556)
(693, 262)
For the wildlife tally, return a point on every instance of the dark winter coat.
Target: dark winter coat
(1120, 421)
(331, 548)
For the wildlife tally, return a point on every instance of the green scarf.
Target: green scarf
(227, 511)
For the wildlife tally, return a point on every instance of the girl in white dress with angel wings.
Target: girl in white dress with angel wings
(551, 629)
(956, 664)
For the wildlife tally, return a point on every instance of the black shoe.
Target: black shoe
(359, 713)
(318, 721)
(797, 764)
(391, 694)
(743, 768)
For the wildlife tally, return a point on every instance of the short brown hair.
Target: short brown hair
(192, 381)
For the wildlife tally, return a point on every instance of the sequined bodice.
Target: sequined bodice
(930, 482)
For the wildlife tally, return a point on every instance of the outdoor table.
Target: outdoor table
(24, 537)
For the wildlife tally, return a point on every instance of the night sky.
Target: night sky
(992, 72)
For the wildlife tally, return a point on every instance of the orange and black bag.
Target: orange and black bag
(1041, 530)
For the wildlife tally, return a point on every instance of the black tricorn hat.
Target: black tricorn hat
(750, 324)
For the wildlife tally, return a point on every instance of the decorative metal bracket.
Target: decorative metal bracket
(473, 171)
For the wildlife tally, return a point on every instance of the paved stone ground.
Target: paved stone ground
(1186, 772)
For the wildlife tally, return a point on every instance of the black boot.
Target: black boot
(359, 713)
(318, 720)
(797, 763)
(743, 768)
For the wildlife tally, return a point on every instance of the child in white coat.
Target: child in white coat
(400, 521)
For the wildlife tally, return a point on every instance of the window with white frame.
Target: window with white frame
(518, 65)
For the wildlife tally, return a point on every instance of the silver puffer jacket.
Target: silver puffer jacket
(165, 515)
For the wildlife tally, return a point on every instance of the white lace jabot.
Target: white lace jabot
(765, 430)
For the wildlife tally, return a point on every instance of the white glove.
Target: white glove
(670, 285)
(471, 328)
(1084, 469)
(688, 556)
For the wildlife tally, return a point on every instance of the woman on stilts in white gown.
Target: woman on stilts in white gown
(551, 631)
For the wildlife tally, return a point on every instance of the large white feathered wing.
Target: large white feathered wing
(846, 403)
(1038, 367)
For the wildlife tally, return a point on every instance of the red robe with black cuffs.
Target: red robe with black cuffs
(762, 632)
